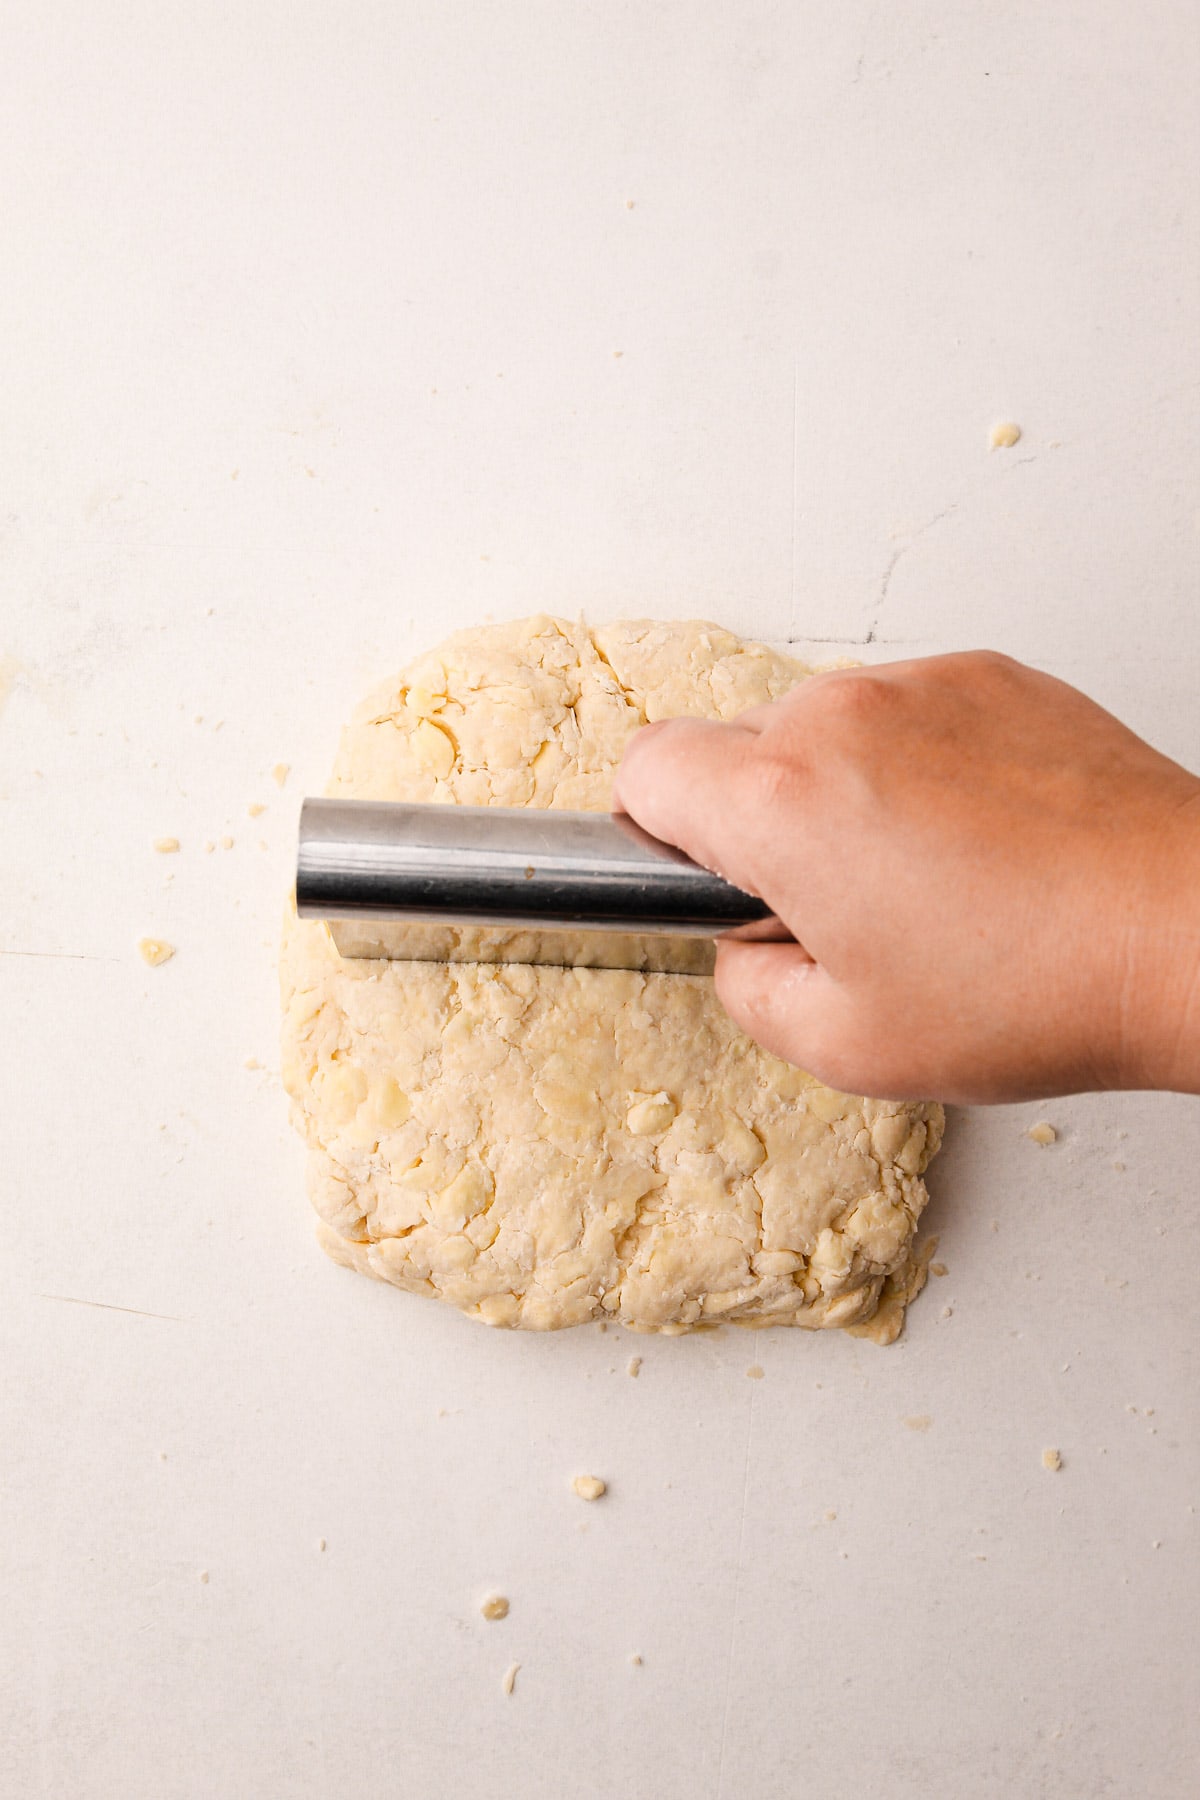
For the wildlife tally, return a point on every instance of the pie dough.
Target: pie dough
(544, 1146)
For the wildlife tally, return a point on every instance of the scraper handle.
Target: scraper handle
(508, 867)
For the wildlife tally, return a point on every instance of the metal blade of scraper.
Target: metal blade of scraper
(428, 883)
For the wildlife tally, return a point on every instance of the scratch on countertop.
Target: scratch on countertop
(108, 1306)
(62, 955)
(902, 550)
(862, 54)
(916, 537)
(921, 531)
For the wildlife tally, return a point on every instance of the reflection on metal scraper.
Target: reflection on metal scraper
(434, 883)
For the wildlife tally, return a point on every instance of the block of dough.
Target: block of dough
(544, 1146)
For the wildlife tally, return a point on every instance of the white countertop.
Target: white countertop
(324, 331)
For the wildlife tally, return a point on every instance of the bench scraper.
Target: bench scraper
(430, 883)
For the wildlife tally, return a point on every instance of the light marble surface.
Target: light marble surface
(322, 331)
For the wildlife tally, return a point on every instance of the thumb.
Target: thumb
(671, 782)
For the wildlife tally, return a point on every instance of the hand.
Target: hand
(993, 884)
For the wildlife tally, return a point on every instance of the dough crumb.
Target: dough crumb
(155, 951)
(635, 1659)
(1005, 435)
(495, 1607)
(204, 1577)
(1052, 1460)
(227, 843)
(938, 1268)
(509, 1679)
(1042, 1133)
(918, 1421)
(280, 773)
(589, 1487)
(209, 846)
(166, 845)
(754, 1372)
(635, 1367)
(255, 808)
(321, 1544)
(252, 1062)
(650, 1114)
(831, 1515)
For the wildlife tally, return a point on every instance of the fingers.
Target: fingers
(780, 997)
(672, 781)
(756, 718)
(794, 1008)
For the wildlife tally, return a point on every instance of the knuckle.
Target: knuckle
(769, 778)
(990, 665)
(853, 699)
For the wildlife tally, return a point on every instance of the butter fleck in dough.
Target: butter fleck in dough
(544, 1146)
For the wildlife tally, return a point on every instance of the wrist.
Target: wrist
(1160, 1004)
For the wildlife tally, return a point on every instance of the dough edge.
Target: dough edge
(743, 1192)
